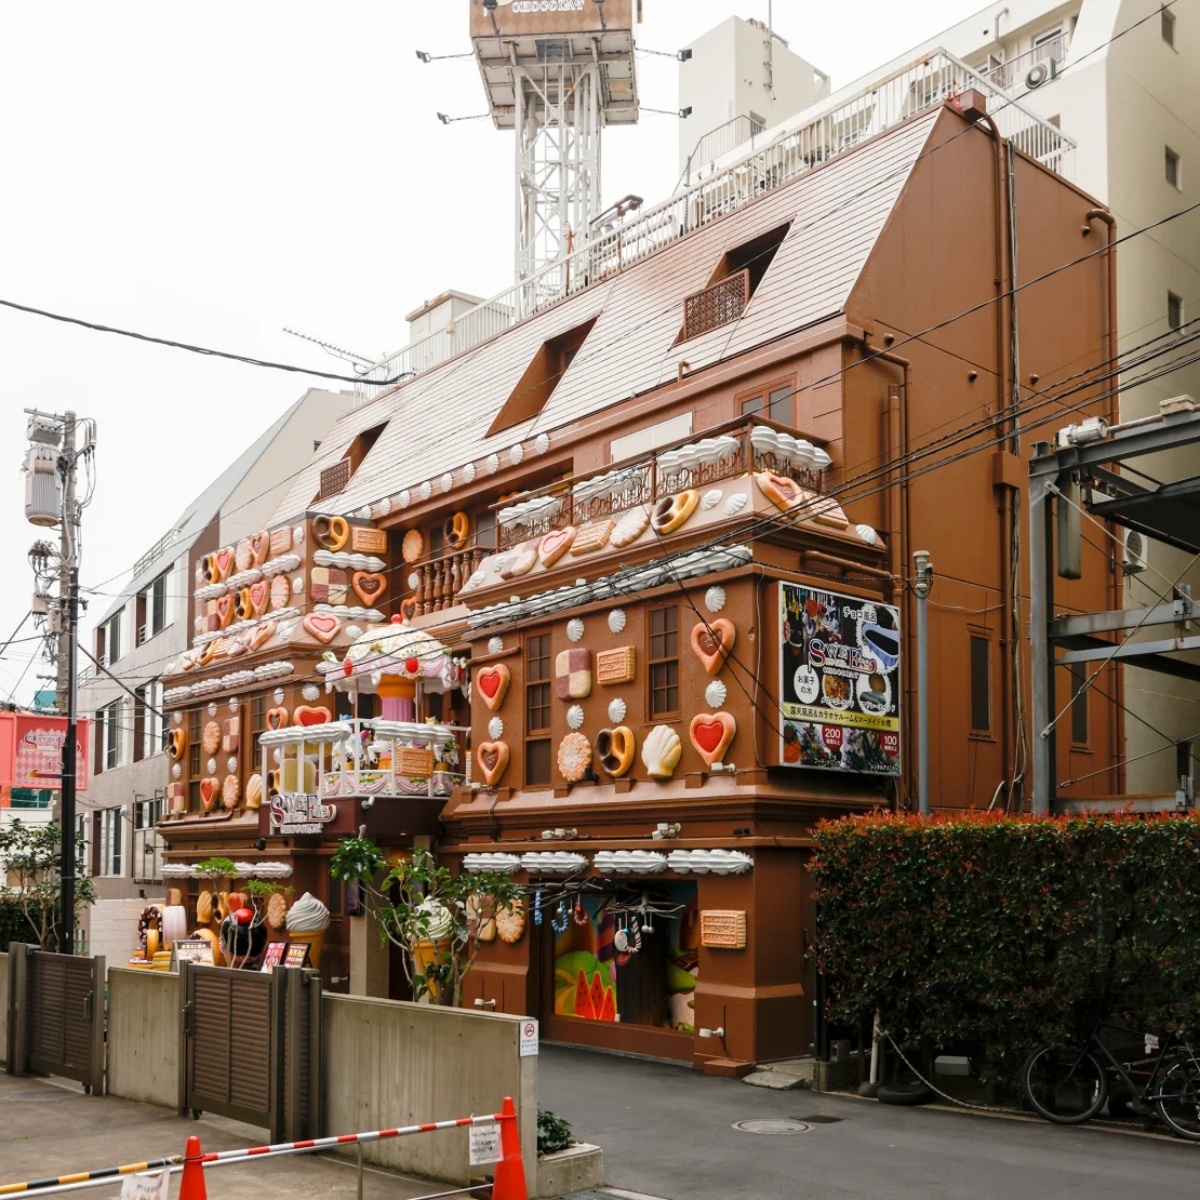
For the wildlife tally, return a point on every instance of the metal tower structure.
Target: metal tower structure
(556, 72)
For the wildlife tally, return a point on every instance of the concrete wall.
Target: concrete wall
(112, 928)
(143, 1036)
(4, 1008)
(391, 1063)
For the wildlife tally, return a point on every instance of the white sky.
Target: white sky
(212, 173)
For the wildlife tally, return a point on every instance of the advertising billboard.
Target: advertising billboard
(548, 17)
(31, 751)
(839, 681)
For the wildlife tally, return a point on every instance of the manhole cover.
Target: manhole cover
(37, 1097)
(819, 1119)
(786, 1125)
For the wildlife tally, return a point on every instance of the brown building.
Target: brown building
(664, 526)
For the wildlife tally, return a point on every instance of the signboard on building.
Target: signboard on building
(31, 751)
(839, 681)
(300, 812)
(550, 17)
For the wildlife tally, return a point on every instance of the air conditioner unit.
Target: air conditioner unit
(1133, 552)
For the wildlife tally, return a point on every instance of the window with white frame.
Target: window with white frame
(112, 823)
(149, 728)
(108, 643)
(153, 608)
(107, 733)
(1049, 46)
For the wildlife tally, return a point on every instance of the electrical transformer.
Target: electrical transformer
(43, 487)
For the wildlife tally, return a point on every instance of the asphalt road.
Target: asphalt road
(666, 1132)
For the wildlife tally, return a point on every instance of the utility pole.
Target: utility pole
(922, 586)
(66, 470)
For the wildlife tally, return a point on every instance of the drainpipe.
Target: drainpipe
(922, 586)
(1115, 598)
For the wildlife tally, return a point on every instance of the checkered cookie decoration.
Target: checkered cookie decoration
(573, 674)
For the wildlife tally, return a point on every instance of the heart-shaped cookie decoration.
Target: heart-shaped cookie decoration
(277, 718)
(712, 642)
(331, 532)
(259, 636)
(323, 627)
(210, 789)
(310, 716)
(225, 561)
(260, 546)
(224, 611)
(492, 683)
(178, 743)
(368, 585)
(711, 734)
(555, 544)
(492, 758)
(260, 593)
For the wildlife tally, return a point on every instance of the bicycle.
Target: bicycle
(1069, 1085)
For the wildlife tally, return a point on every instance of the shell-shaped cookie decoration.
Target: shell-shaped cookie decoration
(234, 705)
(352, 632)
(298, 536)
(311, 693)
(469, 473)
(575, 632)
(711, 498)
(298, 584)
(616, 711)
(735, 503)
(715, 693)
(496, 729)
(492, 463)
(661, 752)
(385, 507)
(575, 716)
(542, 443)
(405, 498)
(212, 708)
(212, 766)
(365, 512)
(447, 481)
(425, 490)
(199, 624)
(177, 717)
(232, 764)
(496, 646)
(516, 454)
(617, 620)
(277, 695)
(276, 911)
(176, 771)
(714, 598)
(867, 534)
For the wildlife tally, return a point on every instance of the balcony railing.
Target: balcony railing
(440, 580)
(367, 758)
(1010, 75)
(881, 105)
(728, 451)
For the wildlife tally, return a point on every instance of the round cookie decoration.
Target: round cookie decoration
(510, 921)
(574, 757)
(413, 546)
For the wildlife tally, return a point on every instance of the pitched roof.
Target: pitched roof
(438, 421)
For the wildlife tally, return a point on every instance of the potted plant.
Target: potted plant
(437, 919)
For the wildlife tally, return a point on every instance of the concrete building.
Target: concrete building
(1119, 78)
(145, 627)
(738, 79)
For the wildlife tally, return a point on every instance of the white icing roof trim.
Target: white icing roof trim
(701, 862)
(629, 862)
(553, 862)
(508, 863)
(343, 558)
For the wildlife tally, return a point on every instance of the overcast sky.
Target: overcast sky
(212, 173)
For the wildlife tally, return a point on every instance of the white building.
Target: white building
(1120, 79)
(146, 627)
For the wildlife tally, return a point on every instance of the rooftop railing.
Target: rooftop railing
(887, 102)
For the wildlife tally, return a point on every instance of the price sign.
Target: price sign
(832, 736)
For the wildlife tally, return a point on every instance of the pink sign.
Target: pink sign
(31, 751)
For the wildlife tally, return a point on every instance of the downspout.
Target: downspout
(1115, 597)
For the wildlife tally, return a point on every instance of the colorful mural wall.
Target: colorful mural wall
(614, 963)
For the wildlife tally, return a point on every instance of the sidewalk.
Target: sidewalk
(49, 1127)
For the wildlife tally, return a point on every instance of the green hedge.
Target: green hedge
(999, 933)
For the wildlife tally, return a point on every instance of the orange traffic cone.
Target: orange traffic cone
(191, 1185)
(509, 1180)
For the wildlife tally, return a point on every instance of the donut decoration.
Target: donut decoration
(712, 734)
(574, 757)
(177, 744)
(712, 642)
(409, 608)
(244, 606)
(671, 511)
(151, 918)
(614, 750)
(493, 759)
(412, 546)
(218, 566)
(492, 684)
(457, 530)
(208, 652)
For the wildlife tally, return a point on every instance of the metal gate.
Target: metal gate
(247, 1047)
(56, 1015)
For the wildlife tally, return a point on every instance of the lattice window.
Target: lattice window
(334, 479)
(717, 305)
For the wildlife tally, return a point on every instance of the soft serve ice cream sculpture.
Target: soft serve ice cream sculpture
(391, 662)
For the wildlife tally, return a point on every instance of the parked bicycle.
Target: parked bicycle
(1069, 1084)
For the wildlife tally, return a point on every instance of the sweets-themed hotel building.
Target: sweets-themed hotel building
(619, 600)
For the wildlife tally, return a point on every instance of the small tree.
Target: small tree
(30, 855)
(434, 916)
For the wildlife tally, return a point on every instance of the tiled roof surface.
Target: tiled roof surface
(438, 422)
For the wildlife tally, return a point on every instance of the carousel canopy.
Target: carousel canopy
(396, 651)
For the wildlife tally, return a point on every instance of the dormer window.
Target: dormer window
(335, 478)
